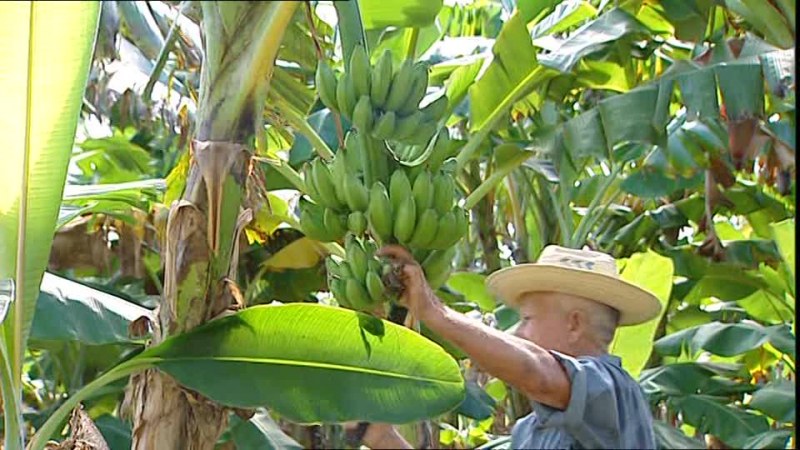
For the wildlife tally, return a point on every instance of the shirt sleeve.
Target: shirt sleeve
(592, 415)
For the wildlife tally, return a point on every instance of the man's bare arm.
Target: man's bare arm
(522, 364)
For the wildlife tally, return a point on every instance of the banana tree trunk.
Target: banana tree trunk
(241, 41)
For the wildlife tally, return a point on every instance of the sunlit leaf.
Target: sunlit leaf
(633, 344)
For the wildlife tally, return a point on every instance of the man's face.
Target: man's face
(543, 321)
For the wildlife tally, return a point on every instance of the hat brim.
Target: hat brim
(634, 304)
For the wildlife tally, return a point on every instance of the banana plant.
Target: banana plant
(37, 37)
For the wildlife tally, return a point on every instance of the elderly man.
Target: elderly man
(570, 303)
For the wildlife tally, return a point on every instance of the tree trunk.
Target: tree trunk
(203, 228)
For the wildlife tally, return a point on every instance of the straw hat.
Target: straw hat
(586, 273)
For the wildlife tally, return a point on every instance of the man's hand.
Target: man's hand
(417, 296)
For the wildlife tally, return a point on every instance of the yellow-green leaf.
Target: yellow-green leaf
(633, 344)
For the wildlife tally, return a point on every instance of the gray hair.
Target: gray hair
(603, 319)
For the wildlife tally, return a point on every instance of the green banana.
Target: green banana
(353, 153)
(375, 287)
(405, 220)
(338, 171)
(379, 212)
(360, 70)
(385, 126)
(449, 166)
(444, 192)
(434, 111)
(325, 186)
(311, 220)
(406, 126)
(337, 288)
(346, 96)
(437, 266)
(423, 191)
(418, 88)
(423, 134)
(373, 264)
(332, 268)
(381, 79)
(441, 150)
(356, 194)
(345, 270)
(357, 295)
(461, 227)
(399, 189)
(357, 223)
(362, 115)
(401, 86)
(326, 85)
(445, 230)
(358, 260)
(425, 230)
(334, 222)
(370, 248)
(308, 180)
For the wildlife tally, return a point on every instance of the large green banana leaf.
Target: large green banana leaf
(46, 51)
(308, 362)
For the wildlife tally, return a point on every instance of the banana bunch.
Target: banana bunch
(421, 215)
(339, 191)
(382, 101)
(437, 266)
(432, 154)
(356, 282)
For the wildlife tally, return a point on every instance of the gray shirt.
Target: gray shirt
(607, 409)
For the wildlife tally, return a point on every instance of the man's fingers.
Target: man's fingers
(396, 252)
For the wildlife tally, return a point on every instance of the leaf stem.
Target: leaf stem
(11, 401)
(303, 127)
(286, 170)
(44, 433)
(496, 177)
(162, 55)
(483, 129)
(351, 28)
(412, 37)
(590, 218)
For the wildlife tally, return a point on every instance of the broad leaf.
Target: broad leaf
(477, 404)
(70, 311)
(260, 433)
(688, 378)
(633, 344)
(399, 13)
(284, 357)
(323, 123)
(38, 138)
(726, 339)
(765, 18)
(473, 287)
(511, 75)
(459, 83)
(777, 400)
(783, 233)
(669, 437)
(742, 88)
(731, 424)
(591, 37)
(769, 439)
(115, 431)
(564, 16)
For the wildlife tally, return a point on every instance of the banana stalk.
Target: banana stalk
(242, 41)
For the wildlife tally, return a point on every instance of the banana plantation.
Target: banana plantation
(194, 195)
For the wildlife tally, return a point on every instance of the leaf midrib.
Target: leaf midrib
(285, 362)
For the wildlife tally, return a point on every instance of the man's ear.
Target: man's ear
(576, 323)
